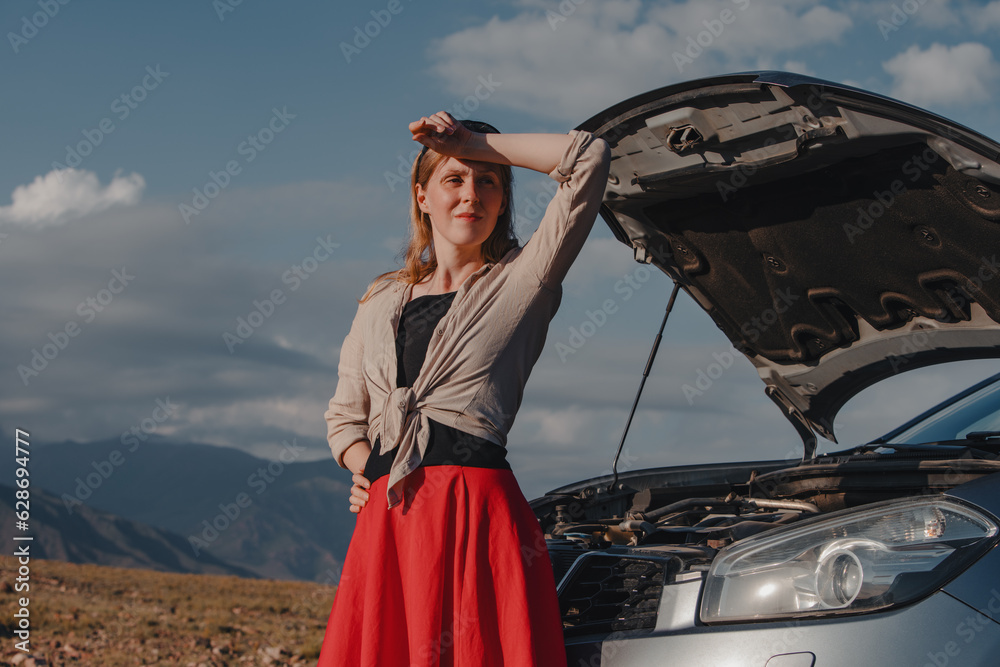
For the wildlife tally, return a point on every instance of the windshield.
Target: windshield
(978, 410)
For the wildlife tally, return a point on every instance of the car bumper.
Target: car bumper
(937, 632)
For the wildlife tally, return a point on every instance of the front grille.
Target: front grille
(611, 593)
(563, 553)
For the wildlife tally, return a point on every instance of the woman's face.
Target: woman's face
(463, 198)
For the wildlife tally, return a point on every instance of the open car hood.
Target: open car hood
(836, 237)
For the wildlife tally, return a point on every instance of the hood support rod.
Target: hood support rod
(645, 374)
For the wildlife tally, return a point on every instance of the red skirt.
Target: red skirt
(457, 574)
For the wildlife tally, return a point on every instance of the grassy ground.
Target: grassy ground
(94, 615)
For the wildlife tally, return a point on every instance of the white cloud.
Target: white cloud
(799, 67)
(930, 14)
(891, 17)
(162, 336)
(63, 194)
(569, 65)
(987, 18)
(600, 265)
(766, 29)
(559, 427)
(393, 243)
(937, 15)
(953, 76)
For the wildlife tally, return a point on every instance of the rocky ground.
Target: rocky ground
(93, 615)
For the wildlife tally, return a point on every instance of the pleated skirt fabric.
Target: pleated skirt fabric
(456, 575)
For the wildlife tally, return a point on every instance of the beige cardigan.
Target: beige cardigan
(485, 346)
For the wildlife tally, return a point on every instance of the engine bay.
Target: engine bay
(694, 522)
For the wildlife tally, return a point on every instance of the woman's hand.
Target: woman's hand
(359, 492)
(442, 134)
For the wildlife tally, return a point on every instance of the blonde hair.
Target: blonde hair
(419, 258)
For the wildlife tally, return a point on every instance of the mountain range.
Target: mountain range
(208, 505)
(92, 536)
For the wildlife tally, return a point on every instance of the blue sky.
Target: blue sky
(283, 126)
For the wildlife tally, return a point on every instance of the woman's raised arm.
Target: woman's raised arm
(443, 134)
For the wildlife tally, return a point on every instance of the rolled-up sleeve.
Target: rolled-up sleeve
(347, 418)
(582, 174)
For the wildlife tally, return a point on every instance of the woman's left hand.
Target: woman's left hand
(442, 134)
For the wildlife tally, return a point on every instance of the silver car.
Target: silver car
(837, 238)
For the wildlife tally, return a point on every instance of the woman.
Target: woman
(447, 564)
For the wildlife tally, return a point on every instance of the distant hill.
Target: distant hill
(92, 536)
(278, 520)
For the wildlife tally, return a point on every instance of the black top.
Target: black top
(446, 445)
(420, 317)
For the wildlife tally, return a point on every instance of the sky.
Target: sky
(194, 194)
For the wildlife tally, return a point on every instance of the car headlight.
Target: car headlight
(853, 561)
